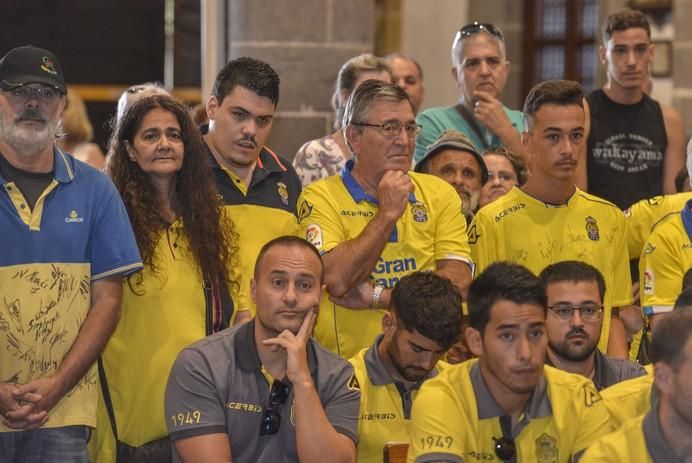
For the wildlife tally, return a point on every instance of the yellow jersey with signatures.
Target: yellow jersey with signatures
(524, 230)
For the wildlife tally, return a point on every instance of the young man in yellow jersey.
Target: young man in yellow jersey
(575, 314)
(506, 405)
(549, 219)
(422, 322)
(663, 434)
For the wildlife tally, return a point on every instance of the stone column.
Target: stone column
(682, 61)
(306, 42)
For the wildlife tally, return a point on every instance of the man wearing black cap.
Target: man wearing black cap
(67, 243)
(454, 159)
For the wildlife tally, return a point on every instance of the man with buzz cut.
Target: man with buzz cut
(66, 245)
(265, 391)
(480, 69)
(259, 188)
(377, 221)
(662, 435)
(422, 322)
(575, 312)
(636, 145)
(506, 405)
(549, 219)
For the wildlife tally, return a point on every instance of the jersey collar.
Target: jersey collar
(378, 374)
(356, 191)
(246, 350)
(538, 405)
(63, 167)
(656, 443)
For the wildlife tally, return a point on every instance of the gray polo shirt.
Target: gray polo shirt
(216, 386)
(656, 443)
(608, 371)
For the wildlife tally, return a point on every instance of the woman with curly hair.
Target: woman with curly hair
(156, 160)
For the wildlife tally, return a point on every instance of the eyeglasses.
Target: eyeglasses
(476, 27)
(504, 448)
(392, 129)
(44, 94)
(589, 312)
(271, 418)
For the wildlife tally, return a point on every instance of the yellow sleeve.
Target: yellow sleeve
(593, 421)
(431, 432)
(621, 294)
(660, 272)
(625, 445)
(318, 217)
(482, 240)
(450, 234)
(639, 221)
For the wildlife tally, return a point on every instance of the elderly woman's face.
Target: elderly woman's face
(158, 145)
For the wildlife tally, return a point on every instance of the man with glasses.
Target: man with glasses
(266, 392)
(480, 70)
(259, 187)
(506, 405)
(575, 314)
(67, 242)
(376, 221)
(549, 219)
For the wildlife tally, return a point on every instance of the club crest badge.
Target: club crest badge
(282, 190)
(419, 211)
(592, 229)
(546, 449)
(48, 66)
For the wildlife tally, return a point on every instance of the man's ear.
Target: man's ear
(602, 54)
(212, 107)
(253, 290)
(663, 377)
(524, 137)
(474, 339)
(388, 322)
(454, 74)
(352, 136)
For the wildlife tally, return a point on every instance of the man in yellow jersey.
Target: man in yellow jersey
(549, 219)
(265, 391)
(575, 313)
(259, 188)
(376, 222)
(663, 434)
(422, 322)
(666, 257)
(506, 405)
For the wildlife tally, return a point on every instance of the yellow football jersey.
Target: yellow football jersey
(522, 229)
(642, 216)
(432, 228)
(666, 257)
(456, 419)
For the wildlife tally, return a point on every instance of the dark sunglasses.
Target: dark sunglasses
(271, 418)
(476, 27)
(504, 448)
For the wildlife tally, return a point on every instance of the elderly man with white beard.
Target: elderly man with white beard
(454, 159)
(66, 243)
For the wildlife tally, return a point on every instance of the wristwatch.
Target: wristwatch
(376, 295)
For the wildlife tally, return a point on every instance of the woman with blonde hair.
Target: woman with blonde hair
(156, 160)
(79, 132)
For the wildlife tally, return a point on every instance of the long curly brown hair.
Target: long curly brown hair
(196, 199)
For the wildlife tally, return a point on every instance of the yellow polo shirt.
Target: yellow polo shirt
(336, 209)
(522, 229)
(385, 406)
(629, 399)
(455, 418)
(643, 215)
(666, 257)
(639, 440)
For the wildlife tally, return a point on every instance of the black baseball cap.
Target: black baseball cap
(31, 65)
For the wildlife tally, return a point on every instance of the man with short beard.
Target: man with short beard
(67, 243)
(422, 322)
(575, 312)
(454, 159)
(506, 405)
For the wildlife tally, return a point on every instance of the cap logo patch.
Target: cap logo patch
(49, 66)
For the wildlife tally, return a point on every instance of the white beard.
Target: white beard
(28, 140)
